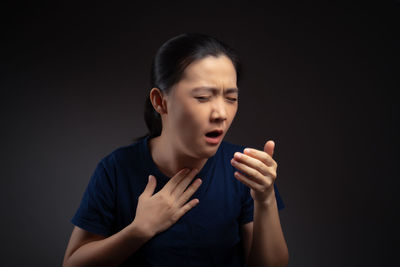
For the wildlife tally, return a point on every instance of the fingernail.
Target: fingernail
(247, 150)
(238, 155)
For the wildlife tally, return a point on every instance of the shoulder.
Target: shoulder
(123, 155)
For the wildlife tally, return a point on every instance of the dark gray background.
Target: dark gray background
(317, 80)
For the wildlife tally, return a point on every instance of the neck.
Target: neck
(168, 159)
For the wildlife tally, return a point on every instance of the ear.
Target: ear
(158, 101)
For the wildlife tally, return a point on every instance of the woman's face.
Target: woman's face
(204, 100)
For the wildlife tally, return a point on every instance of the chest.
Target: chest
(209, 227)
(208, 232)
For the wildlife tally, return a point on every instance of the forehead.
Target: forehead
(210, 71)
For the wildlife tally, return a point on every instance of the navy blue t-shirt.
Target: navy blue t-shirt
(207, 235)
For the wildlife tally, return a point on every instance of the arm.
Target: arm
(154, 214)
(263, 238)
(264, 241)
(88, 249)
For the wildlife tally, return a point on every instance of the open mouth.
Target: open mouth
(214, 134)
(214, 137)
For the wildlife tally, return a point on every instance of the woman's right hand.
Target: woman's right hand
(156, 213)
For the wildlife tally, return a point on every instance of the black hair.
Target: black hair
(170, 62)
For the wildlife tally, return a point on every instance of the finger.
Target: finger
(183, 184)
(250, 183)
(252, 163)
(251, 173)
(176, 179)
(189, 192)
(260, 155)
(269, 147)
(191, 204)
(150, 187)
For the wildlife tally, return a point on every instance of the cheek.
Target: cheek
(195, 116)
(232, 110)
(188, 116)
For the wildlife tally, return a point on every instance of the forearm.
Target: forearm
(110, 251)
(268, 246)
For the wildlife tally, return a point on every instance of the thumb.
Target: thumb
(150, 187)
(269, 147)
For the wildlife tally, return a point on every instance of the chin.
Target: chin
(202, 150)
(210, 151)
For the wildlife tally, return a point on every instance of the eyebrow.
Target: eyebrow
(213, 89)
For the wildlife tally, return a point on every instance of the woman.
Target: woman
(171, 197)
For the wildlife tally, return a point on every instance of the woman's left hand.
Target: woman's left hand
(259, 171)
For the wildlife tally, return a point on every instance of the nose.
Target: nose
(218, 112)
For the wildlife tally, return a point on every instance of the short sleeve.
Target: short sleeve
(247, 211)
(279, 201)
(96, 211)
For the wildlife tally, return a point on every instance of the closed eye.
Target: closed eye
(207, 98)
(202, 98)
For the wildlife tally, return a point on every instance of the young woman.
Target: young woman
(181, 196)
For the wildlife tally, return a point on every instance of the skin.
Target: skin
(186, 119)
(188, 114)
(180, 152)
(264, 243)
(154, 214)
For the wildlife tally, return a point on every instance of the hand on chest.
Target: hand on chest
(211, 225)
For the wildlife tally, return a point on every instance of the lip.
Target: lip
(215, 140)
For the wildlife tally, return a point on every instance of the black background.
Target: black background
(318, 80)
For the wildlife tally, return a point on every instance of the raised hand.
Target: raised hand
(156, 213)
(259, 171)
